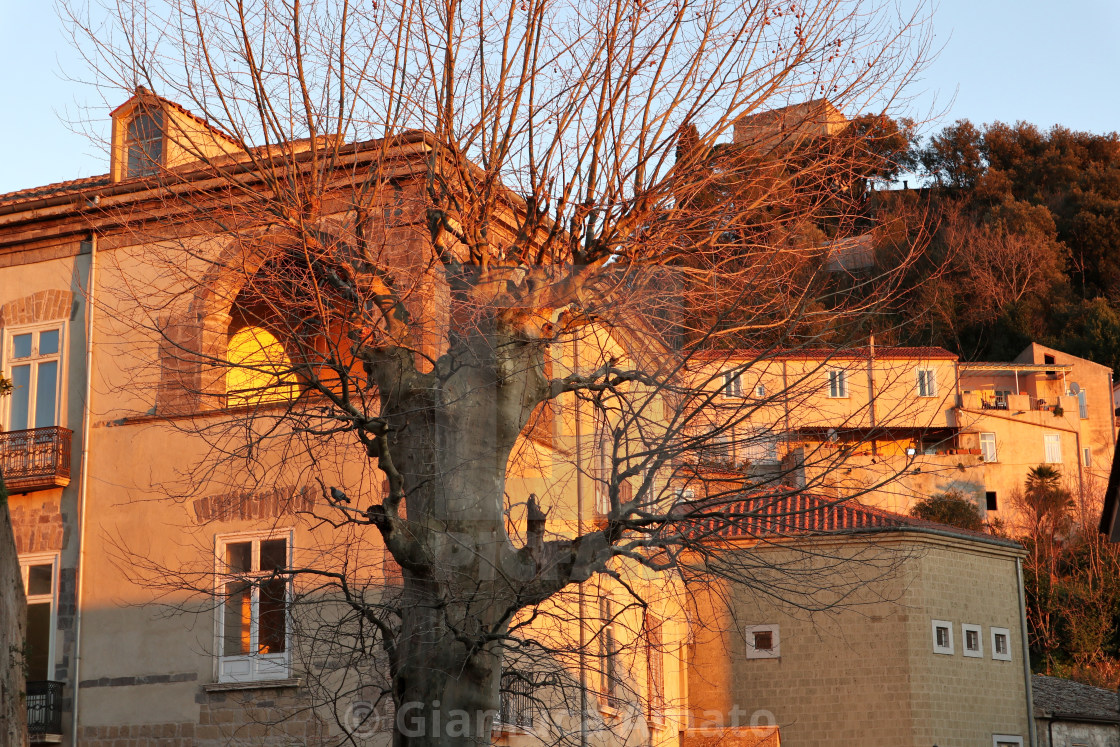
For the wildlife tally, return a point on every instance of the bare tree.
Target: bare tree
(464, 229)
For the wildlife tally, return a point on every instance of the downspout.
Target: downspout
(583, 725)
(1026, 653)
(871, 393)
(83, 489)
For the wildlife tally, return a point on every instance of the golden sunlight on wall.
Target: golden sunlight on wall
(259, 368)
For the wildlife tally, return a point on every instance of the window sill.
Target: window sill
(219, 687)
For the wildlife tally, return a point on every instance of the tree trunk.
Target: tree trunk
(13, 611)
(451, 436)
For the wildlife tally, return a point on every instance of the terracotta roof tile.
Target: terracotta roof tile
(53, 190)
(805, 514)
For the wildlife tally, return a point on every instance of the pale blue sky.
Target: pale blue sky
(1033, 60)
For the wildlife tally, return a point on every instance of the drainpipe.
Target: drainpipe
(583, 725)
(871, 393)
(83, 489)
(1026, 653)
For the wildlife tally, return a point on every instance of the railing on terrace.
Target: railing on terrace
(36, 459)
(44, 710)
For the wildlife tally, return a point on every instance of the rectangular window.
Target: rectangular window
(144, 143)
(763, 642)
(1053, 442)
(1001, 644)
(1082, 405)
(40, 581)
(942, 637)
(990, 499)
(1006, 740)
(610, 671)
(655, 667)
(732, 384)
(837, 384)
(973, 644)
(254, 595)
(33, 360)
(1087, 456)
(760, 391)
(603, 465)
(988, 447)
(927, 382)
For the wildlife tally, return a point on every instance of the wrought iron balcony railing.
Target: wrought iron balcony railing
(35, 459)
(516, 701)
(44, 710)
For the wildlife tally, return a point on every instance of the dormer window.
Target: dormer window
(144, 144)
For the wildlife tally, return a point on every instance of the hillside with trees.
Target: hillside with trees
(1024, 229)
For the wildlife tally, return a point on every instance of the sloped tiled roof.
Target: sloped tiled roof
(805, 514)
(57, 189)
(1054, 696)
(823, 353)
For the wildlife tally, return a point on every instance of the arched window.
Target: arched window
(259, 369)
(144, 143)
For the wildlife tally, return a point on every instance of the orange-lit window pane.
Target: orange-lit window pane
(238, 617)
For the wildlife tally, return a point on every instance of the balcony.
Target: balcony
(44, 711)
(516, 701)
(35, 459)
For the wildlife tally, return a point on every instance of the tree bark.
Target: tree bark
(450, 436)
(13, 611)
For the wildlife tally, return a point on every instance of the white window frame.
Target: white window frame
(251, 667)
(837, 383)
(760, 391)
(774, 652)
(25, 563)
(975, 653)
(34, 360)
(998, 740)
(1052, 445)
(732, 384)
(926, 385)
(938, 648)
(995, 649)
(993, 456)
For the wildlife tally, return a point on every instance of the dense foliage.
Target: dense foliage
(1025, 241)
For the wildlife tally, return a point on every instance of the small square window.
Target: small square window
(760, 390)
(973, 643)
(763, 642)
(1001, 644)
(1006, 740)
(942, 637)
(991, 500)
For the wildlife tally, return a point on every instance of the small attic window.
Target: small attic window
(144, 144)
